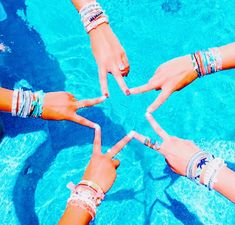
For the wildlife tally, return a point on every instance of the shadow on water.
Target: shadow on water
(180, 211)
(177, 208)
(168, 174)
(29, 60)
(231, 165)
(171, 6)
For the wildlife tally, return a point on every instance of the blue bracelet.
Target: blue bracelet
(38, 104)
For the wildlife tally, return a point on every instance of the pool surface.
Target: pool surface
(51, 51)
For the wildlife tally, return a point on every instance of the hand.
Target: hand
(63, 106)
(110, 57)
(102, 168)
(177, 152)
(169, 77)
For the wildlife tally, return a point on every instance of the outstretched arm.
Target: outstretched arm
(101, 173)
(107, 50)
(186, 159)
(179, 72)
(48, 106)
(228, 56)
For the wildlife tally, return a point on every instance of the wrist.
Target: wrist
(86, 195)
(81, 3)
(79, 214)
(92, 14)
(6, 100)
(104, 27)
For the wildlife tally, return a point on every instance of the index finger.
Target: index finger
(162, 133)
(118, 77)
(119, 145)
(89, 102)
(97, 140)
(142, 89)
(103, 81)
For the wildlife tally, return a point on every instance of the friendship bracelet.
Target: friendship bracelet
(24, 105)
(204, 162)
(92, 15)
(208, 61)
(93, 185)
(191, 163)
(212, 171)
(20, 102)
(201, 165)
(14, 102)
(87, 195)
(38, 104)
(99, 194)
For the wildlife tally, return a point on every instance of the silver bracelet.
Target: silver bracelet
(211, 169)
(14, 102)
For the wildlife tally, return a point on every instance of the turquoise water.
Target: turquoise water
(50, 51)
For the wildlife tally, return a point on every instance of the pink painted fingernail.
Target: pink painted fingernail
(128, 92)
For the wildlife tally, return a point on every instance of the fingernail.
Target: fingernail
(97, 126)
(149, 110)
(131, 134)
(128, 92)
(106, 95)
(147, 114)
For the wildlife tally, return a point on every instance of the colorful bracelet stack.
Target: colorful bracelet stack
(207, 62)
(203, 161)
(92, 15)
(26, 104)
(86, 195)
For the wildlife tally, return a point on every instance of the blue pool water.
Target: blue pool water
(50, 51)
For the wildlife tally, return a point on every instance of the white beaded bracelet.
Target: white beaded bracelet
(92, 15)
(215, 165)
(96, 23)
(14, 102)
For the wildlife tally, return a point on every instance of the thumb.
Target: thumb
(116, 163)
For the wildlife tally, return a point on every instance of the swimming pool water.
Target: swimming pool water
(50, 51)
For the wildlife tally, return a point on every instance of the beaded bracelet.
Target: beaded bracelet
(201, 165)
(24, 105)
(92, 15)
(84, 199)
(207, 61)
(192, 163)
(95, 187)
(38, 104)
(14, 102)
(204, 162)
(86, 195)
(211, 172)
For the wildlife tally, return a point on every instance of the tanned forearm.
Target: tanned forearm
(5, 100)
(228, 56)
